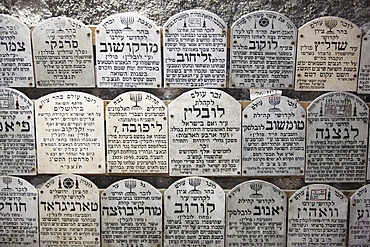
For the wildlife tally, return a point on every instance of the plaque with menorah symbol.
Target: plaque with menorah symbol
(142, 210)
(328, 55)
(55, 41)
(19, 199)
(190, 202)
(17, 130)
(15, 49)
(256, 201)
(137, 60)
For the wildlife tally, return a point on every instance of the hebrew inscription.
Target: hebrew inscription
(194, 213)
(131, 213)
(128, 52)
(16, 68)
(70, 133)
(69, 212)
(204, 134)
(364, 71)
(17, 134)
(359, 218)
(273, 137)
(256, 215)
(19, 221)
(263, 51)
(328, 53)
(194, 46)
(336, 141)
(63, 53)
(317, 217)
(137, 134)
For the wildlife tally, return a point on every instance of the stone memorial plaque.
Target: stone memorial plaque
(17, 134)
(317, 217)
(19, 221)
(273, 137)
(194, 213)
(63, 53)
(70, 133)
(137, 134)
(359, 218)
(69, 212)
(263, 51)
(16, 68)
(364, 71)
(194, 46)
(336, 139)
(256, 214)
(204, 134)
(131, 212)
(328, 53)
(128, 52)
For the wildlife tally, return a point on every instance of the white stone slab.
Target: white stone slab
(328, 53)
(364, 71)
(16, 69)
(128, 52)
(263, 51)
(19, 221)
(205, 134)
(194, 46)
(273, 144)
(63, 53)
(317, 217)
(336, 139)
(17, 134)
(194, 213)
(69, 212)
(359, 218)
(70, 133)
(256, 214)
(137, 137)
(135, 208)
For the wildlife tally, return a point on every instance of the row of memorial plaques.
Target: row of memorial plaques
(204, 135)
(263, 53)
(129, 213)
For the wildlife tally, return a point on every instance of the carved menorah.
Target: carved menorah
(274, 100)
(256, 186)
(136, 97)
(130, 184)
(194, 182)
(331, 24)
(7, 181)
(127, 20)
(59, 23)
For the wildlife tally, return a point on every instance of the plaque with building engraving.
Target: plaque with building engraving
(263, 51)
(69, 212)
(128, 52)
(364, 70)
(16, 68)
(70, 133)
(328, 53)
(194, 50)
(194, 213)
(63, 53)
(359, 218)
(273, 137)
(19, 221)
(137, 134)
(131, 212)
(17, 134)
(317, 217)
(336, 139)
(204, 134)
(256, 215)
